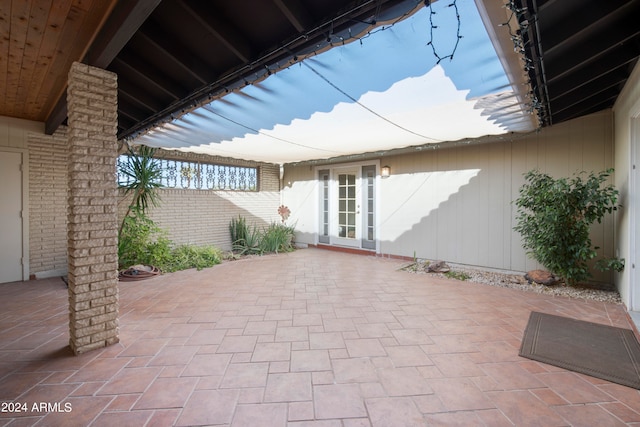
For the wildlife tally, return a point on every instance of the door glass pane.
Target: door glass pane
(324, 211)
(347, 205)
(369, 235)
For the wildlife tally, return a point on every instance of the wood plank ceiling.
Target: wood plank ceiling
(39, 40)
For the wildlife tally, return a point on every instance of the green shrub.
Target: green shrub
(141, 241)
(277, 238)
(554, 218)
(184, 257)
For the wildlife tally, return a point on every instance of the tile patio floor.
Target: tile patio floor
(310, 338)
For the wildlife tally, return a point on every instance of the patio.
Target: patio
(309, 338)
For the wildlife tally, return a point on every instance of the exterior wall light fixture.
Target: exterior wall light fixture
(385, 172)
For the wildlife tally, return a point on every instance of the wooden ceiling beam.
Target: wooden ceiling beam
(589, 105)
(176, 52)
(124, 21)
(140, 97)
(612, 60)
(296, 13)
(132, 113)
(595, 89)
(124, 123)
(231, 38)
(149, 74)
(132, 104)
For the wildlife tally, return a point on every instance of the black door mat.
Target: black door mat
(600, 351)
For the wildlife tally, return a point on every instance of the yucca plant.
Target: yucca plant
(244, 239)
(238, 229)
(140, 175)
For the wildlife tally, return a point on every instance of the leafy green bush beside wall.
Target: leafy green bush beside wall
(554, 217)
(140, 240)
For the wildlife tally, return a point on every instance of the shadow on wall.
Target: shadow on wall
(456, 204)
(202, 217)
(473, 224)
(454, 215)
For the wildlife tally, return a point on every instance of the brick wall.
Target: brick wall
(92, 222)
(48, 204)
(199, 217)
(202, 217)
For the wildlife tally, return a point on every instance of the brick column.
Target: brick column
(92, 227)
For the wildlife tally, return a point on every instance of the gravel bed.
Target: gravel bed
(517, 281)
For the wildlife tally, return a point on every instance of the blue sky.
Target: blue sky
(383, 92)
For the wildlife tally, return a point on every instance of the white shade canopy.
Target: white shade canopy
(389, 90)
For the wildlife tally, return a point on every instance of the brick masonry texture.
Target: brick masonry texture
(48, 203)
(202, 217)
(92, 222)
(73, 199)
(199, 217)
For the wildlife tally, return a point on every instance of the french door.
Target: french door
(345, 218)
(347, 206)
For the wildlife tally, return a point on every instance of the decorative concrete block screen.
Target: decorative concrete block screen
(198, 175)
(202, 193)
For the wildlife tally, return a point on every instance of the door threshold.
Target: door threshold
(345, 249)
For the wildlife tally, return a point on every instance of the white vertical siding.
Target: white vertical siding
(455, 204)
(625, 109)
(475, 221)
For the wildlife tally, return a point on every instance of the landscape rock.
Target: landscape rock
(541, 277)
(438, 267)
